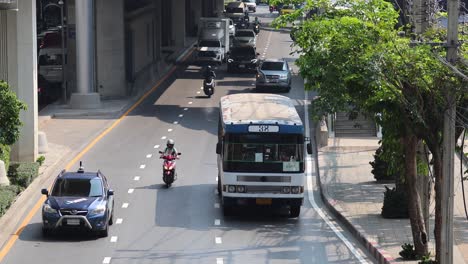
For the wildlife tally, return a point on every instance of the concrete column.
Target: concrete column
(22, 74)
(178, 22)
(110, 47)
(86, 97)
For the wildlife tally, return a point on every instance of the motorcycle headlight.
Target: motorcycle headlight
(283, 76)
(254, 61)
(230, 60)
(260, 76)
(100, 209)
(48, 209)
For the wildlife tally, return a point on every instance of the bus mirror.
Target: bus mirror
(309, 148)
(218, 148)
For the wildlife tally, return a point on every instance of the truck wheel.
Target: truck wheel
(295, 211)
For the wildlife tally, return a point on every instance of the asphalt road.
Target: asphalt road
(184, 224)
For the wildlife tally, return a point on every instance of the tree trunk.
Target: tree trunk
(438, 174)
(418, 227)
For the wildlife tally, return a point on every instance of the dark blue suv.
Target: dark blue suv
(79, 200)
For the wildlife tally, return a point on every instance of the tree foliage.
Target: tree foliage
(10, 108)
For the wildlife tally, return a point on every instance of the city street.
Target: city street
(185, 224)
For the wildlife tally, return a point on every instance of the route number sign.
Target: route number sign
(264, 128)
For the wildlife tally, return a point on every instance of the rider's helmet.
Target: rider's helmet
(256, 18)
(170, 143)
(208, 67)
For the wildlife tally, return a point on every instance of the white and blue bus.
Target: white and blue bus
(260, 152)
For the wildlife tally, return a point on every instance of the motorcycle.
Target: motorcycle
(208, 86)
(256, 28)
(169, 168)
(273, 8)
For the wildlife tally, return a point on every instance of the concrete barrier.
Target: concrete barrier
(42, 144)
(321, 134)
(3, 175)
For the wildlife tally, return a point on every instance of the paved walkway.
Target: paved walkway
(351, 192)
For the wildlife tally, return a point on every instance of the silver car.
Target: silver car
(245, 37)
(273, 74)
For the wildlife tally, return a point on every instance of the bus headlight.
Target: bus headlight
(240, 188)
(286, 189)
(295, 189)
(231, 188)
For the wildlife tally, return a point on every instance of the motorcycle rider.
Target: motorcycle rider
(170, 149)
(256, 21)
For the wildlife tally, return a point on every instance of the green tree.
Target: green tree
(10, 108)
(354, 55)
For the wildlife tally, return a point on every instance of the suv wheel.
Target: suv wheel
(105, 232)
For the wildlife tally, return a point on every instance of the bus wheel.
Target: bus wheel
(295, 211)
(227, 210)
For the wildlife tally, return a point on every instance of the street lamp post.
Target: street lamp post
(64, 76)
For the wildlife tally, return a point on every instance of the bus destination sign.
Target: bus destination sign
(264, 128)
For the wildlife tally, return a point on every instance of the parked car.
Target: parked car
(245, 37)
(274, 74)
(287, 9)
(242, 58)
(251, 5)
(80, 201)
(232, 28)
(50, 64)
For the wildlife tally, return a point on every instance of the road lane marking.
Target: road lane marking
(190, 102)
(107, 260)
(169, 130)
(11, 241)
(130, 191)
(156, 146)
(113, 239)
(219, 260)
(119, 221)
(149, 156)
(216, 205)
(198, 92)
(181, 115)
(125, 205)
(216, 178)
(137, 178)
(142, 166)
(310, 192)
(164, 137)
(217, 222)
(175, 122)
(218, 240)
(185, 109)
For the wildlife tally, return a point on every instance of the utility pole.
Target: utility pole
(446, 243)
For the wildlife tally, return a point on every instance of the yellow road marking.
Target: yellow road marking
(9, 244)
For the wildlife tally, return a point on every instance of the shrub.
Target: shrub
(23, 173)
(5, 155)
(427, 260)
(395, 204)
(380, 167)
(7, 196)
(408, 252)
(40, 160)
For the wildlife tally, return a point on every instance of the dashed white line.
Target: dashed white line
(156, 146)
(125, 205)
(217, 222)
(216, 178)
(185, 109)
(164, 137)
(119, 221)
(137, 178)
(130, 191)
(201, 88)
(169, 130)
(142, 166)
(113, 239)
(198, 92)
(175, 122)
(149, 156)
(181, 115)
(218, 240)
(190, 102)
(107, 260)
(216, 205)
(219, 260)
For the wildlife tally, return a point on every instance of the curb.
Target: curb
(382, 256)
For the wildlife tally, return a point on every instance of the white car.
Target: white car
(251, 5)
(245, 37)
(232, 28)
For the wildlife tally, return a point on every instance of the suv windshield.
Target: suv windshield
(235, 10)
(245, 34)
(77, 187)
(210, 43)
(272, 66)
(53, 59)
(244, 51)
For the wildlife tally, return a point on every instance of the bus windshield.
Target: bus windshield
(272, 153)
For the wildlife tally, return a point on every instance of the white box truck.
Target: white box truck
(213, 40)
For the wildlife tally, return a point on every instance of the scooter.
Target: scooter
(208, 86)
(256, 28)
(169, 168)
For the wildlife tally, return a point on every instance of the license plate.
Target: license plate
(263, 201)
(273, 80)
(73, 222)
(241, 66)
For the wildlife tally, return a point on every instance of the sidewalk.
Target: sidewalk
(350, 191)
(68, 132)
